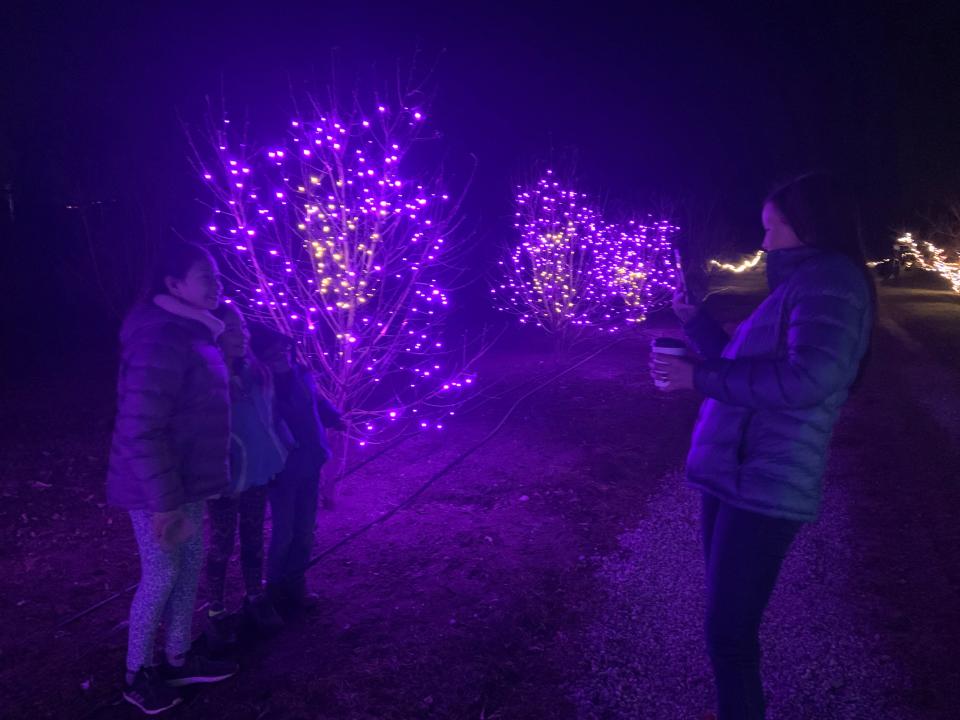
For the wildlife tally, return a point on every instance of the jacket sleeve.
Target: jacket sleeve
(706, 335)
(328, 414)
(153, 373)
(823, 348)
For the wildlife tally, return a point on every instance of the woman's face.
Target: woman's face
(777, 234)
(200, 287)
(235, 339)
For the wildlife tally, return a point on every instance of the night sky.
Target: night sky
(698, 104)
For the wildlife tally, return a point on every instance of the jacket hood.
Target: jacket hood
(148, 314)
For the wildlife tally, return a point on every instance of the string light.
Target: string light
(925, 256)
(743, 266)
(570, 268)
(636, 269)
(928, 256)
(344, 253)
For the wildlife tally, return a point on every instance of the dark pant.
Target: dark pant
(249, 507)
(744, 551)
(293, 506)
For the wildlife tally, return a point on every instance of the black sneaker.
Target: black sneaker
(150, 692)
(301, 599)
(261, 612)
(198, 669)
(219, 632)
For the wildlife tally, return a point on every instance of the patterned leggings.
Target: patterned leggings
(249, 507)
(167, 591)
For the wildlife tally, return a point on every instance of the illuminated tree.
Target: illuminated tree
(338, 238)
(571, 269)
(927, 256)
(636, 269)
(549, 277)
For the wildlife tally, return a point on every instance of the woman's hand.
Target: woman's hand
(672, 372)
(681, 308)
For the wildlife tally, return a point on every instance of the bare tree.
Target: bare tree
(342, 236)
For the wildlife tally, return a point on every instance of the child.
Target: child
(294, 492)
(169, 454)
(256, 455)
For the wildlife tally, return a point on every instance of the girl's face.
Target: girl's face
(200, 287)
(777, 234)
(277, 358)
(235, 338)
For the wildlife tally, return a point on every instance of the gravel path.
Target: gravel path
(864, 621)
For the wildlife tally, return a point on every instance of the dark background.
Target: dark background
(706, 106)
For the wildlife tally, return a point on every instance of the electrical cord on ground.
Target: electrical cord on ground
(450, 465)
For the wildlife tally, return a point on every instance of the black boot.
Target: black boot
(260, 611)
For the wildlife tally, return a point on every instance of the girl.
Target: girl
(773, 391)
(169, 454)
(294, 493)
(256, 455)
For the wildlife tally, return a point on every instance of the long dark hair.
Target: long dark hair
(822, 211)
(174, 260)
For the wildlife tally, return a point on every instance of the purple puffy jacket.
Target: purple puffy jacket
(172, 431)
(774, 390)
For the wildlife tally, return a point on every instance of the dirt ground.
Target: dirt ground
(552, 572)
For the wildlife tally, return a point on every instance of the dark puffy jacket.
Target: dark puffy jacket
(172, 431)
(257, 450)
(775, 389)
(307, 415)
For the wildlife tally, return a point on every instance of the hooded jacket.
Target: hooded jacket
(171, 436)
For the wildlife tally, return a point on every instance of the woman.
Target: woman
(773, 393)
(169, 454)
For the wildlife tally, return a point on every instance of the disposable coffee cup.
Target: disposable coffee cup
(667, 346)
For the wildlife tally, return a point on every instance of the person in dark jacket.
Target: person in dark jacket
(256, 455)
(773, 393)
(168, 455)
(294, 492)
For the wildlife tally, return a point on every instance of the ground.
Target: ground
(552, 571)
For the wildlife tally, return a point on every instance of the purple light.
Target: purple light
(324, 257)
(572, 268)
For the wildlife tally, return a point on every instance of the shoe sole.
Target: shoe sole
(199, 679)
(147, 711)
